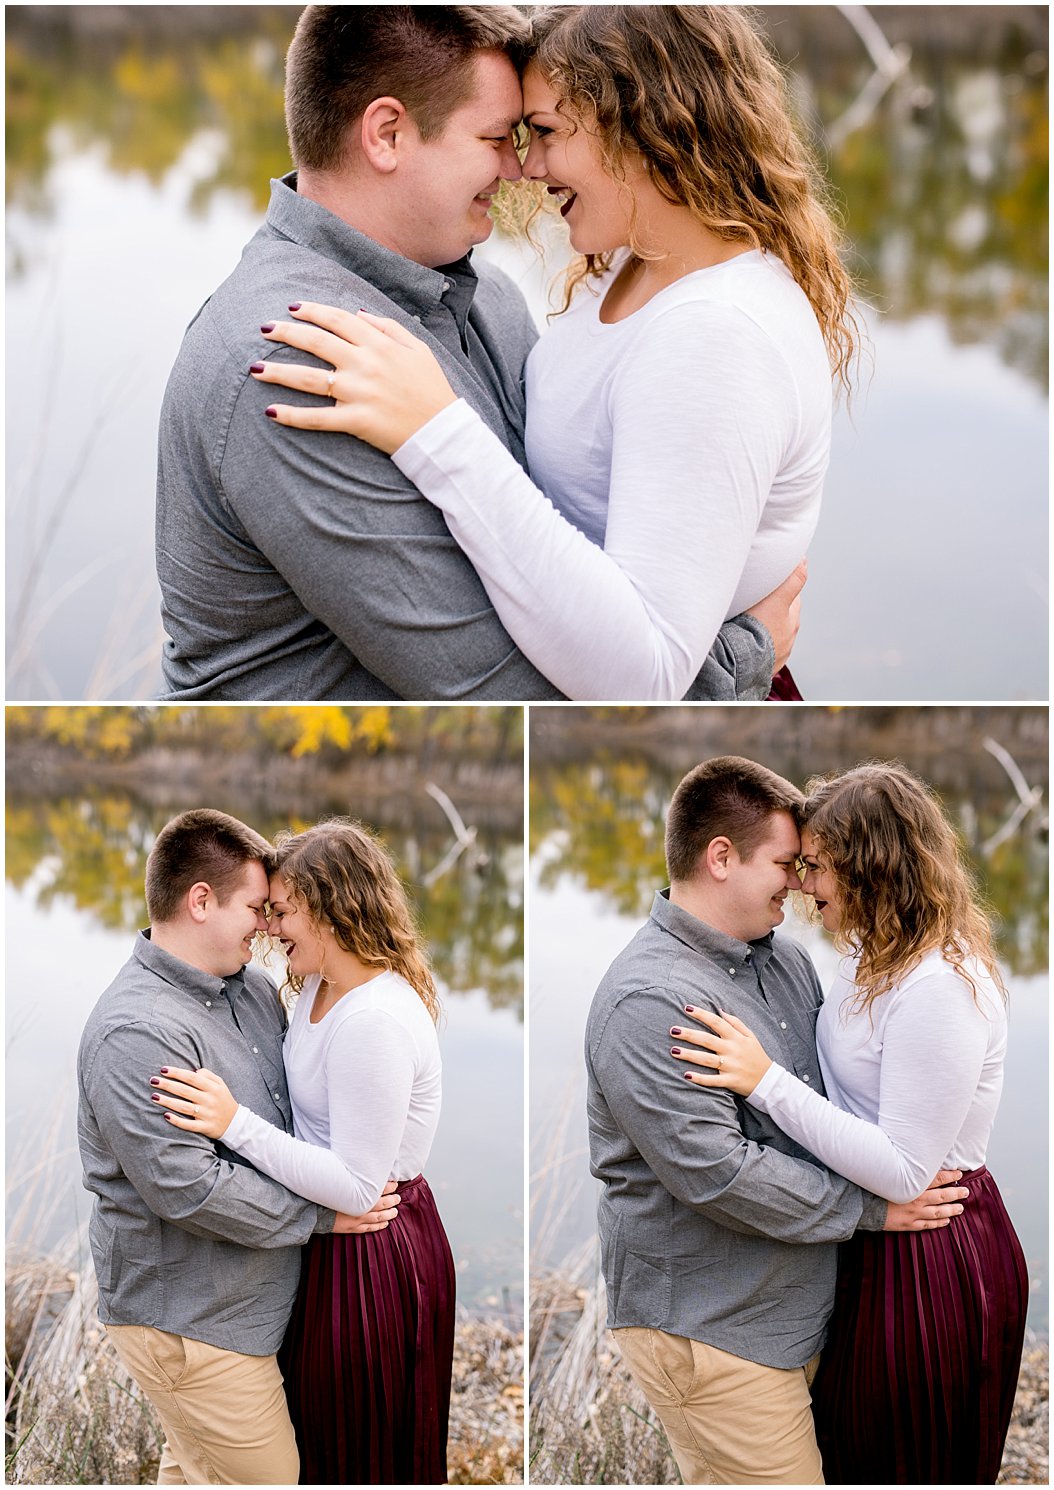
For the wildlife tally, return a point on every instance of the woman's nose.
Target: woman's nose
(534, 162)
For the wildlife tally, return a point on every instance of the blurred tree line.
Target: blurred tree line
(326, 732)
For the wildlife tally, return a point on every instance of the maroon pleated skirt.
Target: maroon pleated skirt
(368, 1352)
(917, 1379)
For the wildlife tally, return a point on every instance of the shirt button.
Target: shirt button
(806, 1076)
(208, 1003)
(783, 1024)
(731, 972)
(417, 319)
(278, 1098)
(446, 286)
(256, 1050)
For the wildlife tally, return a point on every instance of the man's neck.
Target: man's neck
(174, 940)
(353, 202)
(696, 901)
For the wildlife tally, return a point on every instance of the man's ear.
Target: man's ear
(382, 130)
(197, 900)
(718, 852)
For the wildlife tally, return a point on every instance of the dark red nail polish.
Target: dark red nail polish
(256, 367)
(164, 1070)
(154, 1097)
(687, 1075)
(676, 1031)
(269, 326)
(676, 1050)
(295, 305)
(155, 1081)
(272, 412)
(689, 1008)
(168, 1117)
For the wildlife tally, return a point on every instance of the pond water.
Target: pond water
(73, 901)
(596, 862)
(137, 169)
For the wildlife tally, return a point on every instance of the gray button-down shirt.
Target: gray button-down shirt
(713, 1223)
(295, 564)
(185, 1235)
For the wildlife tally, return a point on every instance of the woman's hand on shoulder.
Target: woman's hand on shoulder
(385, 383)
(731, 1055)
(198, 1101)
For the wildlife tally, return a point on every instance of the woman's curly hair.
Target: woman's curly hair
(344, 876)
(693, 92)
(902, 876)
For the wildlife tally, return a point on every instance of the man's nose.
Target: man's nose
(510, 168)
(261, 921)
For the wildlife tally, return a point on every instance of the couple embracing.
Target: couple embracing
(260, 1210)
(375, 481)
(742, 1125)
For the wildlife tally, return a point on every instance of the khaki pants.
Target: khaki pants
(224, 1414)
(729, 1421)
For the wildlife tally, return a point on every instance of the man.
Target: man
(718, 1307)
(300, 565)
(197, 1254)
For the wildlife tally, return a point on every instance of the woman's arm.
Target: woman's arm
(700, 413)
(369, 1074)
(933, 1048)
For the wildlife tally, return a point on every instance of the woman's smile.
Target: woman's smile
(570, 197)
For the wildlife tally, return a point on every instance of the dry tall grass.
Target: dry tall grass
(590, 1425)
(75, 1416)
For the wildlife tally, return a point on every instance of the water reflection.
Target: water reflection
(598, 805)
(90, 851)
(944, 185)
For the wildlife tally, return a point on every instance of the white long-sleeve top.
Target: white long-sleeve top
(910, 1091)
(677, 458)
(365, 1086)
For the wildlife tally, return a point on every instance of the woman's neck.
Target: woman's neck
(341, 973)
(673, 244)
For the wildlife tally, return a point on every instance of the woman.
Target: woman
(367, 1356)
(916, 1382)
(678, 416)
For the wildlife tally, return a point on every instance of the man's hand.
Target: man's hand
(780, 613)
(933, 1209)
(383, 1212)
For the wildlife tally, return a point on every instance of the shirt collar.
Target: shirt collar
(707, 939)
(416, 288)
(183, 976)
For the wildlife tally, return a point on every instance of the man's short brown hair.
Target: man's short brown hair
(200, 845)
(342, 57)
(727, 797)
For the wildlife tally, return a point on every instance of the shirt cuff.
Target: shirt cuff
(873, 1215)
(424, 449)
